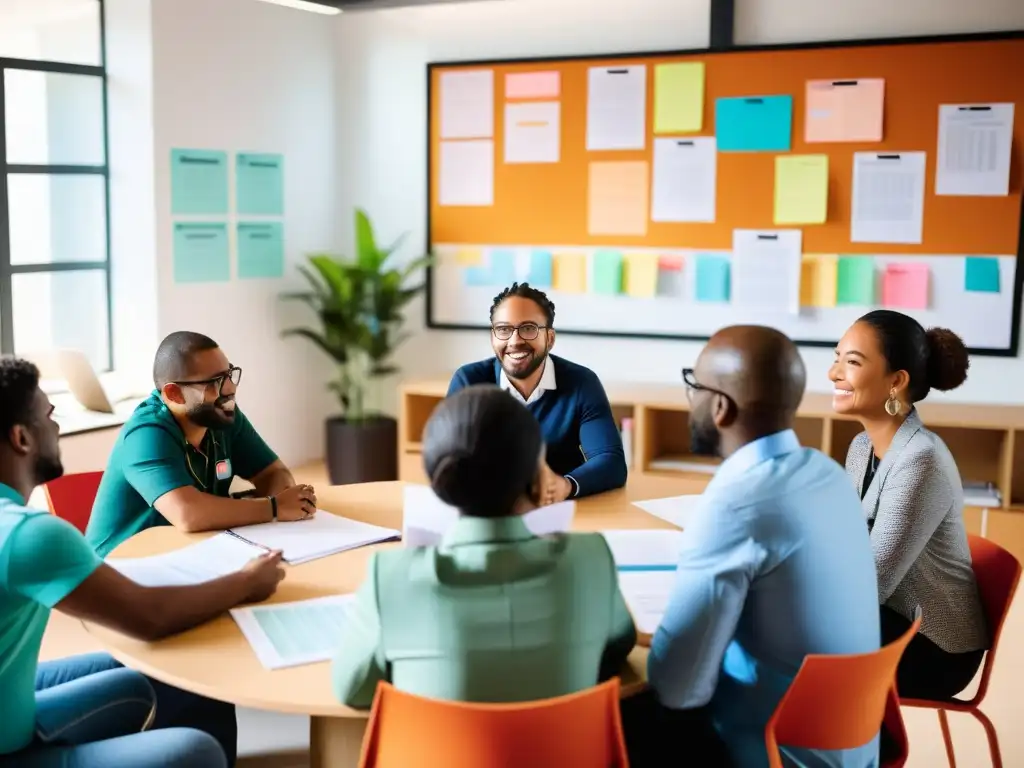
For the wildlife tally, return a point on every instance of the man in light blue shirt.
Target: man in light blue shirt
(777, 562)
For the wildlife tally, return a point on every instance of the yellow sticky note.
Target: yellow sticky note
(819, 279)
(641, 274)
(619, 198)
(679, 97)
(569, 272)
(469, 257)
(801, 189)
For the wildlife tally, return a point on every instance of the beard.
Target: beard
(705, 439)
(523, 369)
(212, 415)
(48, 468)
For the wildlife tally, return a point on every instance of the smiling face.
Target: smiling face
(860, 375)
(520, 337)
(210, 401)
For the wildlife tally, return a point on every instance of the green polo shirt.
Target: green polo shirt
(151, 458)
(42, 560)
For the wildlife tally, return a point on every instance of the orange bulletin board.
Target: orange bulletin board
(546, 204)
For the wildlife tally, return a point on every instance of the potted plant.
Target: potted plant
(359, 304)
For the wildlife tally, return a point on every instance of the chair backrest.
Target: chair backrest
(998, 574)
(71, 497)
(839, 701)
(582, 730)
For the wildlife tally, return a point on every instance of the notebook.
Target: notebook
(320, 536)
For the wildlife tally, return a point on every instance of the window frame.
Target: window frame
(8, 270)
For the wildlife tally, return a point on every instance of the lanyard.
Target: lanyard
(206, 459)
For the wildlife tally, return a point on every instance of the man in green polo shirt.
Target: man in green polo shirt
(177, 454)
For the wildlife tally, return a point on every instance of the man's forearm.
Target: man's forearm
(199, 512)
(179, 608)
(604, 472)
(273, 482)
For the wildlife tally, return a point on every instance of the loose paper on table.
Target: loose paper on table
(320, 536)
(888, 197)
(467, 104)
(679, 97)
(259, 184)
(616, 107)
(260, 249)
(801, 189)
(618, 198)
(209, 559)
(678, 510)
(201, 252)
(974, 149)
(646, 561)
(291, 634)
(685, 178)
(766, 267)
(199, 181)
(844, 110)
(467, 173)
(532, 131)
(819, 280)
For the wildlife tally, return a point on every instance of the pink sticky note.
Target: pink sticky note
(532, 85)
(844, 110)
(670, 262)
(905, 286)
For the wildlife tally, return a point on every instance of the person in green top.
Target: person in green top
(176, 456)
(86, 711)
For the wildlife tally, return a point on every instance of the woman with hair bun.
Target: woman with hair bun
(912, 496)
(494, 613)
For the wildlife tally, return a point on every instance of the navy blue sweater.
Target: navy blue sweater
(583, 441)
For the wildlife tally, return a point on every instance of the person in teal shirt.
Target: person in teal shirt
(87, 711)
(176, 456)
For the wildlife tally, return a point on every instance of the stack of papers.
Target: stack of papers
(292, 634)
(209, 559)
(678, 510)
(646, 562)
(320, 536)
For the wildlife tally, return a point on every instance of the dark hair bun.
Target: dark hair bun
(453, 480)
(948, 360)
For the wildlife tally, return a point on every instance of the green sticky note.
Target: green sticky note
(981, 274)
(856, 280)
(201, 253)
(260, 249)
(712, 283)
(607, 273)
(259, 184)
(199, 182)
(679, 97)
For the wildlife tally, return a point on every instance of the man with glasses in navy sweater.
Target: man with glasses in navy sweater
(584, 447)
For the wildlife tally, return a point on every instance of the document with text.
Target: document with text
(292, 634)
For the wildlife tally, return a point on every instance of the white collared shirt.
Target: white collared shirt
(547, 381)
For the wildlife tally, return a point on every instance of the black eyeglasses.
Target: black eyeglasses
(692, 385)
(234, 373)
(527, 331)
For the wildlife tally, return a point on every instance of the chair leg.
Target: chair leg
(947, 737)
(993, 739)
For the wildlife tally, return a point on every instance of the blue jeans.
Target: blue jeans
(92, 713)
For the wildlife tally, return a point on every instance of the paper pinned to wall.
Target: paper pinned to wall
(616, 107)
(974, 149)
(671, 262)
(201, 252)
(539, 273)
(469, 257)
(503, 264)
(819, 280)
(260, 249)
(679, 97)
(855, 280)
(754, 123)
(905, 286)
(532, 85)
(467, 104)
(199, 182)
(259, 184)
(467, 173)
(713, 278)
(844, 110)
(981, 274)
(532, 131)
(618, 198)
(640, 274)
(801, 189)
(606, 273)
(569, 273)
(766, 266)
(685, 179)
(888, 197)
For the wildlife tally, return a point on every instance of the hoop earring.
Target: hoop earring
(892, 405)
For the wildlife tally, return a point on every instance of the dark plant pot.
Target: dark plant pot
(362, 451)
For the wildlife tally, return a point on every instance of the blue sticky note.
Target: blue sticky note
(712, 283)
(540, 275)
(199, 182)
(260, 249)
(981, 274)
(607, 273)
(259, 184)
(476, 277)
(503, 266)
(754, 123)
(201, 253)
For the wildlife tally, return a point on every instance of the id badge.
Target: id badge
(224, 469)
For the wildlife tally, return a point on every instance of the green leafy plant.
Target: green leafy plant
(359, 304)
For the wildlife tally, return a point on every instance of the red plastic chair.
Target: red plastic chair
(997, 573)
(71, 497)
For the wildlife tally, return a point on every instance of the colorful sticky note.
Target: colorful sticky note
(844, 110)
(754, 123)
(671, 284)
(670, 262)
(640, 273)
(469, 257)
(981, 273)
(712, 278)
(569, 273)
(199, 181)
(607, 272)
(618, 198)
(502, 262)
(201, 253)
(259, 184)
(477, 277)
(679, 97)
(905, 286)
(539, 274)
(532, 85)
(819, 278)
(856, 280)
(260, 249)
(801, 189)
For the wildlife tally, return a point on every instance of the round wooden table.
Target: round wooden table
(215, 660)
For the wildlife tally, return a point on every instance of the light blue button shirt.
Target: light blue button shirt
(775, 565)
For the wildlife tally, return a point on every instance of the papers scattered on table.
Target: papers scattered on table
(292, 634)
(646, 562)
(647, 594)
(320, 536)
(678, 510)
(974, 149)
(207, 560)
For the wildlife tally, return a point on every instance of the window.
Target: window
(54, 180)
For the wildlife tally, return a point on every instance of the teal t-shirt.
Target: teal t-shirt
(43, 559)
(151, 458)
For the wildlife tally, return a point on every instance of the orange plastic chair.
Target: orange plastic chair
(840, 701)
(583, 730)
(997, 573)
(71, 497)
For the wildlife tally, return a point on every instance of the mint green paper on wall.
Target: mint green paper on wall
(260, 249)
(199, 182)
(201, 253)
(856, 280)
(259, 184)
(607, 272)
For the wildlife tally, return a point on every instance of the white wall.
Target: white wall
(381, 91)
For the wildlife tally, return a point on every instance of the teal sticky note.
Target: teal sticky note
(476, 277)
(855, 280)
(503, 266)
(981, 274)
(199, 182)
(712, 278)
(607, 272)
(540, 275)
(201, 253)
(259, 184)
(754, 123)
(260, 249)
